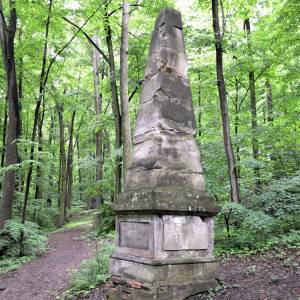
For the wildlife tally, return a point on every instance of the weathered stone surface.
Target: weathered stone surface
(134, 234)
(172, 86)
(170, 237)
(167, 151)
(169, 17)
(176, 200)
(164, 274)
(164, 216)
(185, 233)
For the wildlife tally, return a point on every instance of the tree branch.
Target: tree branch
(67, 44)
(88, 38)
(248, 89)
(135, 89)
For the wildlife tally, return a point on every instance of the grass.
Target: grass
(11, 264)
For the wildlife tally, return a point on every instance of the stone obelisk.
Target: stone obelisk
(164, 216)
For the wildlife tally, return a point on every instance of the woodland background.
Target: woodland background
(62, 94)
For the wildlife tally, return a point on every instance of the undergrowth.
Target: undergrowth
(34, 243)
(93, 271)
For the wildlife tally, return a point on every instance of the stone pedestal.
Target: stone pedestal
(164, 216)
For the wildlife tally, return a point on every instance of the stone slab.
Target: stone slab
(125, 290)
(164, 274)
(166, 151)
(171, 84)
(185, 233)
(134, 234)
(164, 178)
(170, 17)
(178, 200)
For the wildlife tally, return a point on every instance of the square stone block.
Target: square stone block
(163, 237)
(185, 233)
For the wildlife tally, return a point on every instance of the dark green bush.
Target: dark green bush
(281, 197)
(105, 219)
(34, 241)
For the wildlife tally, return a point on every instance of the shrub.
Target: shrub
(105, 219)
(280, 198)
(34, 241)
(92, 271)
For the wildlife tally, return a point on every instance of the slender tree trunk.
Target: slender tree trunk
(98, 109)
(126, 130)
(115, 104)
(269, 102)
(3, 136)
(70, 163)
(254, 140)
(63, 170)
(13, 130)
(36, 114)
(223, 105)
(236, 127)
(79, 170)
(39, 179)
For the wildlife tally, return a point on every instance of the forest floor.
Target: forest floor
(48, 275)
(271, 275)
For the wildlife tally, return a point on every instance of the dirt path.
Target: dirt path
(273, 275)
(47, 276)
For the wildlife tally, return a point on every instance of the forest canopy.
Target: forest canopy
(70, 82)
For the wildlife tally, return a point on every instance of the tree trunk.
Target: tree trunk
(254, 140)
(115, 104)
(63, 171)
(36, 114)
(126, 129)
(3, 137)
(39, 183)
(13, 130)
(223, 105)
(70, 163)
(79, 170)
(98, 109)
(269, 102)
(236, 127)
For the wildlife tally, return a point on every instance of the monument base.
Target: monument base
(161, 279)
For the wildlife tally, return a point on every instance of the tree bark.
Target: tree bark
(236, 127)
(78, 167)
(36, 113)
(126, 129)
(39, 183)
(254, 140)
(269, 102)
(70, 163)
(13, 130)
(115, 103)
(98, 110)
(223, 105)
(3, 136)
(63, 171)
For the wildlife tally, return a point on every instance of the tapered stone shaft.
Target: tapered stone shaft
(165, 152)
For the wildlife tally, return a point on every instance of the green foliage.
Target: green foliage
(105, 219)
(10, 264)
(281, 197)
(92, 271)
(34, 240)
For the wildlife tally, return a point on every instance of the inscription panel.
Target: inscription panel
(185, 233)
(134, 234)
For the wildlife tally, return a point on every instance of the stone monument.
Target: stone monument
(164, 216)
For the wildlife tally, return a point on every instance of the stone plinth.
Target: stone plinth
(164, 216)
